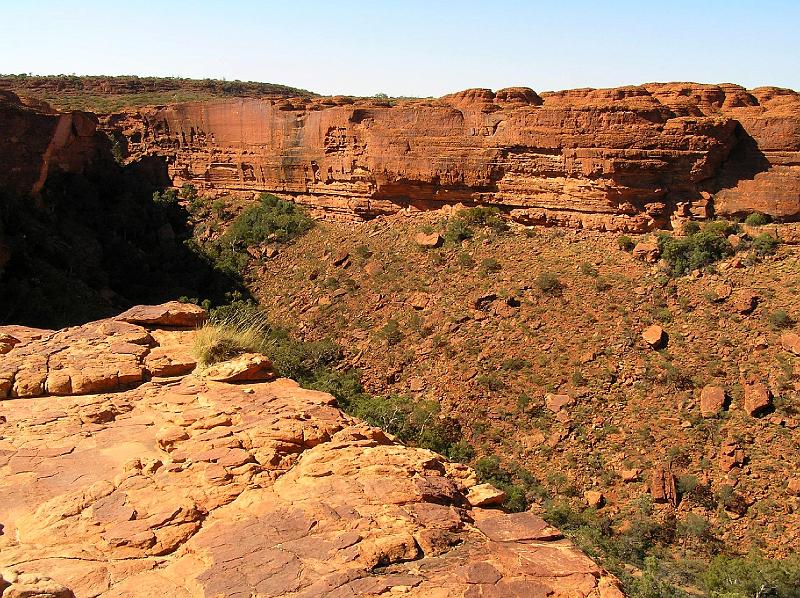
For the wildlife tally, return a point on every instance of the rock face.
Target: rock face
(189, 487)
(629, 158)
(37, 142)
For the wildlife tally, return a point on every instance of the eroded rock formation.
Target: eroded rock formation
(37, 141)
(184, 486)
(629, 158)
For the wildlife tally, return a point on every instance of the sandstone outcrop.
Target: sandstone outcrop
(38, 142)
(185, 486)
(629, 158)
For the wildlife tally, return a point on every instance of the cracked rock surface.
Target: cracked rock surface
(184, 486)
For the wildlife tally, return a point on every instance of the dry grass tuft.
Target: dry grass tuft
(226, 338)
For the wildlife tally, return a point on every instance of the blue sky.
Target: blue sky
(410, 47)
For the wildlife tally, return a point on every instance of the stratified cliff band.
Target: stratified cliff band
(629, 158)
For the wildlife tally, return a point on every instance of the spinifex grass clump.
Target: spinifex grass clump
(232, 334)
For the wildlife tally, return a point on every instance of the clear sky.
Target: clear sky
(410, 47)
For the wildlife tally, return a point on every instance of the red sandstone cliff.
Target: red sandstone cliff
(35, 142)
(622, 159)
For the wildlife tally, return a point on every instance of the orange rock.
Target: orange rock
(429, 241)
(756, 398)
(485, 495)
(560, 153)
(712, 399)
(556, 403)
(790, 341)
(654, 336)
(245, 367)
(662, 485)
(180, 315)
(298, 498)
(647, 251)
(594, 498)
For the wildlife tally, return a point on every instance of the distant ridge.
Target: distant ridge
(105, 94)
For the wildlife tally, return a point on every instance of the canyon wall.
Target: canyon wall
(630, 158)
(37, 142)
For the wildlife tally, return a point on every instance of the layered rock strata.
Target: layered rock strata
(186, 486)
(629, 158)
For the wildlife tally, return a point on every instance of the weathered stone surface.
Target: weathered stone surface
(102, 356)
(620, 159)
(791, 342)
(191, 487)
(654, 336)
(482, 495)
(248, 366)
(556, 403)
(647, 251)
(38, 143)
(662, 485)
(594, 498)
(712, 399)
(757, 398)
(180, 315)
(430, 241)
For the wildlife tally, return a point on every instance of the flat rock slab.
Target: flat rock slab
(173, 313)
(102, 356)
(192, 487)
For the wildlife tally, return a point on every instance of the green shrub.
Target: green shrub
(490, 265)
(764, 244)
(272, 219)
(752, 577)
(625, 243)
(167, 198)
(697, 250)
(457, 231)
(652, 583)
(757, 219)
(691, 227)
(390, 332)
(780, 319)
(219, 208)
(188, 192)
(483, 216)
(588, 270)
(490, 382)
(548, 283)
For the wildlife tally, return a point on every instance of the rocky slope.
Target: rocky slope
(192, 485)
(630, 158)
(563, 383)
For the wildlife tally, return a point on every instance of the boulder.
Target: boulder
(429, 241)
(790, 341)
(744, 301)
(712, 400)
(594, 498)
(757, 398)
(556, 403)
(173, 313)
(654, 336)
(793, 486)
(662, 485)
(247, 367)
(7, 342)
(483, 495)
(647, 251)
